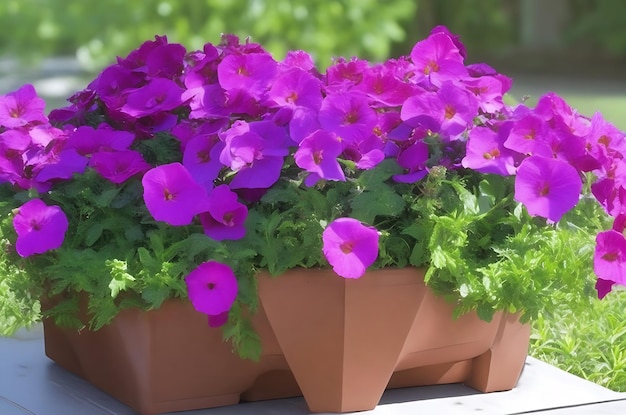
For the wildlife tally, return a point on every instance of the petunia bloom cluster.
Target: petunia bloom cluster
(243, 121)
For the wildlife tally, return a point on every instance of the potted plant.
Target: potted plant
(179, 179)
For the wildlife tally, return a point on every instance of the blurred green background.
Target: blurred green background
(96, 31)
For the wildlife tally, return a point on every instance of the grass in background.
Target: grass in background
(590, 343)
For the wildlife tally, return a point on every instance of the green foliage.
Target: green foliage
(585, 341)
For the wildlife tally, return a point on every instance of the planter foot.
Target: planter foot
(499, 368)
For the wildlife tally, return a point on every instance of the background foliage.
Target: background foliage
(96, 31)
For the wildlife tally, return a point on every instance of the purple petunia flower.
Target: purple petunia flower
(609, 259)
(118, 166)
(603, 287)
(414, 159)
(350, 246)
(438, 59)
(348, 115)
(172, 196)
(251, 72)
(296, 88)
(318, 154)
(158, 95)
(486, 153)
(256, 152)
(547, 187)
(21, 107)
(39, 228)
(88, 140)
(65, 166)
(528, 136)
(212, 288)
(225, 216)
(202, 159)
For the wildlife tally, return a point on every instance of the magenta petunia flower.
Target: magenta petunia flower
(350, 246)
(318, 154)
(413, 158)
(39, 228)
(158, 95)
(225, 216)
(609, 259)
(529, 136)
(488, 93)
(65, 166)
(88, 140)
(21, 107)
(251, 72)
(256, 152)
(202, 159)
(118, 166)
(438, 59)
(172, 196)
(296, 88)
(348, 115)
(486, 153)
(547, 187)
(218, 320)
(603, 287)
(450, 110)
(212, 288)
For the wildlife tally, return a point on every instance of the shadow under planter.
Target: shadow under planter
(339, 343)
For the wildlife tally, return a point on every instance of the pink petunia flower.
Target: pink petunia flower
(172, 196)
(118, 166)
(318, 154)
(39, 227)
(609, 260)
(212, 288)
(486, 153)
(547, 187)
(22, 107)
(350, 246)
(225, 216)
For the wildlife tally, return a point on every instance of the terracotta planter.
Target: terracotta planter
(339, 343)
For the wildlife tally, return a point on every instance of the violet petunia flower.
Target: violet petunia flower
(172, 196)
(22, 107)
(212, 288)
(156, 96)
(68, 163)
(437, 59)
(350, 246)
(296, 88)
(225, 216)
(118, 166)
(451, 110)
(547, 187)
(39, 227)
(413, 159)
(609, 258)
(486, 153)
(252, 73)
(255, 151)
(88, 140)
(201, 158)
(603, 287)
(318, 154)
(348, 115)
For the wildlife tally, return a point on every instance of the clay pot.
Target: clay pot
(339, 343)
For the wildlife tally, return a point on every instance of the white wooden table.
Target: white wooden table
(30, 383)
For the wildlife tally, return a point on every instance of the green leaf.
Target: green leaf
(155, 296)
(93, 234)
(381, 200)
